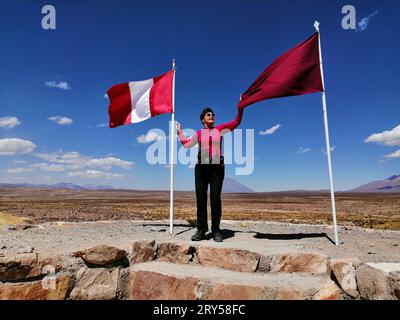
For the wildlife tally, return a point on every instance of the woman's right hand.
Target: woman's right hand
(178, 126)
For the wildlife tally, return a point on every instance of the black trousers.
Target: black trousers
(213, 175)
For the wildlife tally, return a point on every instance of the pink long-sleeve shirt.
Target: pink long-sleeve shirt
(210, 139)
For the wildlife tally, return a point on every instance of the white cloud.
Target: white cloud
(270, 130)
(108, 163)
(323, 150)
(49, 167)
(20, 161)
(105, 96)
(95, 174)
(386, 138)
(9, 122)
(11, 146)
(363, 24)
(70, 158)
(102, 125)
(302, 150)
(61, 120)
(46, 179)
(392, 155)
(18, 170)
(149, 137)
(60, 85)
(74, 160)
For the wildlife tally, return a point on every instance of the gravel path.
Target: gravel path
(261, 236)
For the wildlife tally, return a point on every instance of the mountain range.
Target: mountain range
(391, 184)
(61, 185)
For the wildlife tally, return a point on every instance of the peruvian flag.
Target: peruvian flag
(296, 72)
(136, 101)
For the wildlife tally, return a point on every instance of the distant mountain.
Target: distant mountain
(391, 184)
(233, 186)
(61, 185)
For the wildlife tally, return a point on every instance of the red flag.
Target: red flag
(296, 72)
(136, 101)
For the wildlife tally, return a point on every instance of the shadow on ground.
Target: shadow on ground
(226, 233)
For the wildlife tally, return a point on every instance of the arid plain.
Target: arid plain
(368, 210)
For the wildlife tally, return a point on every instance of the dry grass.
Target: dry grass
(8, 219)
(378, 211)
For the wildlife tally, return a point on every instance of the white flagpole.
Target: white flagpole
(171, 157)
(328, 148)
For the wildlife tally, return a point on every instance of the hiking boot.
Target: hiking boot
(198, 236)
(217, 236)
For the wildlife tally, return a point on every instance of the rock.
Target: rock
(373, 283)
(148, 285)
(3, 247)
(143, 251)
(392, 272)
(225, 291)
(100, 255)
(290, 294)
(394, 284)
(264, 265)
(25, 266)
(96, 284)
(228, 258)
(25, 250)
(385, 267)
(300, 262)
(330, 291)
(36, 290)
(71, 263)
(209, 283)
(176, 252)
(345, 273)
(323, 289)
(21, 227)
(123, 284)
(19, 267)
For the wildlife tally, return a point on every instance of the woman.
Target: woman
(209, 170)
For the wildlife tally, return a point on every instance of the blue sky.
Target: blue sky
(52, 85)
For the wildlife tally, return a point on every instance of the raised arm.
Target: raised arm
(187, 143)
(233, 124)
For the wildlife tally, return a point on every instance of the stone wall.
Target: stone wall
(180, 270)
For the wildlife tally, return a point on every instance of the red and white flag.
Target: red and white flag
(136, 101)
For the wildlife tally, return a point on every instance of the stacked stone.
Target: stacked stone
(180, 270)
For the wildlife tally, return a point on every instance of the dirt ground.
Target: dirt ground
(367, 210)
(265, 237)
(68, 220)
